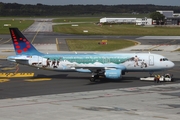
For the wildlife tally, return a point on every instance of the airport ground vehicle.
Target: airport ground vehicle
(166, 78)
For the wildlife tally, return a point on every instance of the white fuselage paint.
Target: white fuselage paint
(127, 62)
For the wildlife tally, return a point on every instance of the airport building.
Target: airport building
(143, 21)
(137, 21)
(173, 21)
(118, 20)
(171, 18)
(166, 13)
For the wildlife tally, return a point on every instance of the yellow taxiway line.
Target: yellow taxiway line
(4, 69)
(3, 57)
(16, 75)
(57, 45)
(10, 68)
(37, 79)
(4, 80)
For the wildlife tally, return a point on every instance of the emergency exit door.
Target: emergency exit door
(151, 60)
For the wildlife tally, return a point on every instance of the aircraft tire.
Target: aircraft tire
(92, 79)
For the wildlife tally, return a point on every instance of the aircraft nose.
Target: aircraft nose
(171, 65)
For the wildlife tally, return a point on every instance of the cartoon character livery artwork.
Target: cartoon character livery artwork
(109, 65)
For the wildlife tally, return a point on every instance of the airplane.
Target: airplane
(110, 65)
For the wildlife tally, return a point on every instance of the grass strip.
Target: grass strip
(97, 45)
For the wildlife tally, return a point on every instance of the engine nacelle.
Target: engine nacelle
(113, 74)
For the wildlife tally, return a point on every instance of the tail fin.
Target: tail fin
(21, 45)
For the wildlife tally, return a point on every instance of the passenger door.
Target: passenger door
(151, 60)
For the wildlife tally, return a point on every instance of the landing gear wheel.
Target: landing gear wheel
(92, 79)
(96, 76)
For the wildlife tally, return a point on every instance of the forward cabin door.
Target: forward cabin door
(40, 61)
(151, 60)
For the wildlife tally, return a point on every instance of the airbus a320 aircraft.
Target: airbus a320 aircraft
(111, 65)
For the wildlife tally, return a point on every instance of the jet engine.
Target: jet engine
(113, 74)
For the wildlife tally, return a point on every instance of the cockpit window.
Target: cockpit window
(163, 59)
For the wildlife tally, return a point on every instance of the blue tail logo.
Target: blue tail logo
(21, 45)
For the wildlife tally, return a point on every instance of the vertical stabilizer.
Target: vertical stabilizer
(21, 45)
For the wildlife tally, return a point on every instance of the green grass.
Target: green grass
(93, 29)
(123, 29)
(16, 23)
(92, 45)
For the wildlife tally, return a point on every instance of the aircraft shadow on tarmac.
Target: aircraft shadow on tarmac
(98, 81)
(124, 80)
(104, 81)
(51, 76)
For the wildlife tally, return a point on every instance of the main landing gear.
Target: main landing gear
(94, 77)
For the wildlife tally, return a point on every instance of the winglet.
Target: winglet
(21, 45)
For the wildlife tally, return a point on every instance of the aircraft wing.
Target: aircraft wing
(95, 68)
(99, 68)
(111, 72)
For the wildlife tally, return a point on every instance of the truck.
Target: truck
(164, 78)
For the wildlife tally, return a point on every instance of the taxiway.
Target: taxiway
(71, 96)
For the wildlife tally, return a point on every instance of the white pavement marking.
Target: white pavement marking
(160, 37)
(40, 27)
(139, 103)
